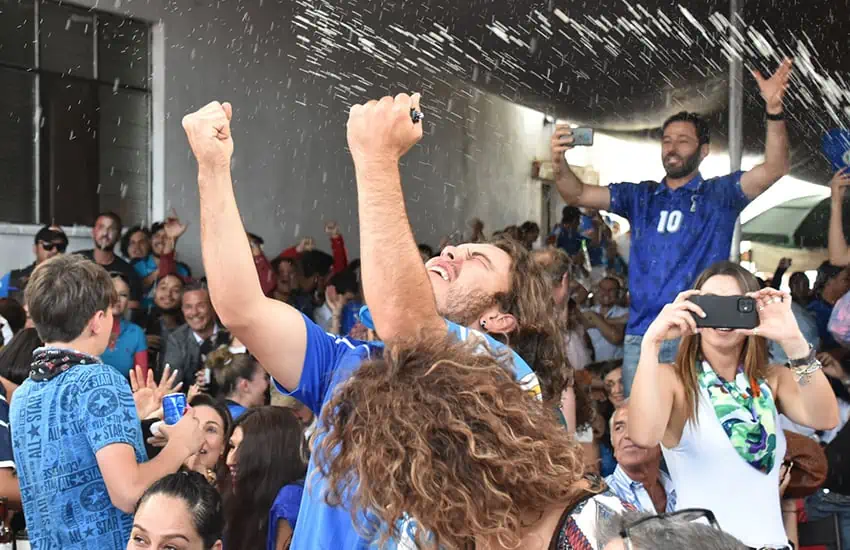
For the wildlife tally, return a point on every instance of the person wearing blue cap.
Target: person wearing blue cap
(475, 292)
(49, 241)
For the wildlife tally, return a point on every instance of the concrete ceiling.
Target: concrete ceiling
(624, 67)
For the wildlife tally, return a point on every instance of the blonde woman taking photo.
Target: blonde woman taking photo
(715, 411)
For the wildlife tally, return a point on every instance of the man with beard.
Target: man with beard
(187, 346)
(684, 223)
(164, 317)
(162, 259)
(495, 288)
(105, 235)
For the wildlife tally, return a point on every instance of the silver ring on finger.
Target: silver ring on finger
(756, 331)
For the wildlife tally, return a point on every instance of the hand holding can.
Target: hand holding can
(173, 408)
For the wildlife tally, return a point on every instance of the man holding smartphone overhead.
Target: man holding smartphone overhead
(684, 223)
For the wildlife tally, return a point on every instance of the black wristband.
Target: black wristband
(777, 117)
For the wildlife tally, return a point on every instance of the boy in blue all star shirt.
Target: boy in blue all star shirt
(684, 223)
(495, 288)
(76, 434)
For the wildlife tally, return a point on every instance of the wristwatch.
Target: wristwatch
(803, 361)
(805, 367)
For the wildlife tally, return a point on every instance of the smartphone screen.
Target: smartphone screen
(582, 137)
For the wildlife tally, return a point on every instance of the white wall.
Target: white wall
(291, 168)
(16, 242)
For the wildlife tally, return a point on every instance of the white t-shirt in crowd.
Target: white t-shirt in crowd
(602, 348)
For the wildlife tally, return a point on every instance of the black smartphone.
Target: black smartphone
(726, 311)
(582, 137)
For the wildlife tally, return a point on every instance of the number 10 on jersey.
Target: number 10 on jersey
(670, 222)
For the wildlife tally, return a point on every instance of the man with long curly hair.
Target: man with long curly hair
(495, 288)
(436, 431)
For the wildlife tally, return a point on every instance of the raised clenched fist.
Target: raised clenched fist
(209, 135)
(383, 130)
(332, 229)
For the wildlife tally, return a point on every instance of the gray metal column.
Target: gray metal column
(736, 109)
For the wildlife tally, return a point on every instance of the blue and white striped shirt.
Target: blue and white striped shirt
(634, 493)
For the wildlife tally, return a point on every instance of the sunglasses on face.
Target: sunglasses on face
(689, 515)
(50, 246)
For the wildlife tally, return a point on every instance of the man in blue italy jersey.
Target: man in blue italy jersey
(684, 223)
(469, 290)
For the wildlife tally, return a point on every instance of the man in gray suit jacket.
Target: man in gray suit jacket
(189, 344)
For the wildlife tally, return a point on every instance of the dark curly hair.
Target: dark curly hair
(445, 435)
(125, 239)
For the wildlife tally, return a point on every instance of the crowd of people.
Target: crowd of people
(527, 390)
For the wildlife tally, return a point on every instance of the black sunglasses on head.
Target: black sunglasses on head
(50, 246)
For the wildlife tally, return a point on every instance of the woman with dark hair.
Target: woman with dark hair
(267, 463)
(715, 411)
(239, 379)
(16, 356)
(180, 511)
(127, 347)
(437, 432)
(14, 314)
(136, 243)
(217, 424)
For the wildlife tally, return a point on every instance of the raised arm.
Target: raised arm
(614, 330)
(574, 192)
(809, 401)
(395, 282)
(655, 386)
(273, 331)
(777, 160)
(779, 272)
(338, 250)
(839, 251)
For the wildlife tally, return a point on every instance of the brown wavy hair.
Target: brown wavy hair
(754, 354)
(436, 432)
(537, 338)
(555, 263)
